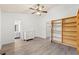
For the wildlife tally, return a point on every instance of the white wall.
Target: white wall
(7, 28)
(37, 26)
(57, 12)
(0, 29)
(28, 23)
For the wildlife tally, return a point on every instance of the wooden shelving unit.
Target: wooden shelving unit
(65, 31)
(68, 34)
(69, 28)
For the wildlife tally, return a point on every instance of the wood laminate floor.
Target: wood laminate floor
(37, 46)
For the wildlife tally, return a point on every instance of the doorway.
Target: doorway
(17, 29)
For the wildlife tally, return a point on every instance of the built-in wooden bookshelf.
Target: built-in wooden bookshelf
(65, 31)
(68, 32)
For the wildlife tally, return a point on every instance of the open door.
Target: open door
(77, 20)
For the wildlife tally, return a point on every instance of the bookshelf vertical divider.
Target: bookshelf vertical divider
(62, 30)
(51, 31)
(77, 20)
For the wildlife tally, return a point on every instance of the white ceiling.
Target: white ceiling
(21, 8)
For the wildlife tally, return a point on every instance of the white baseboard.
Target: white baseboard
(40, 37)
(8, 42)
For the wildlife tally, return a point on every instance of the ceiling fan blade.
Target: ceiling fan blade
(42, 6)
(33, 12)
(32, 8)
(44, 11)
(38, 4)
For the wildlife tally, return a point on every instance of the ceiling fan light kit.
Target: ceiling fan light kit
(38, 13)
(38, 9)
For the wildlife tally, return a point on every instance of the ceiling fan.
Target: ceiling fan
(38, 9)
